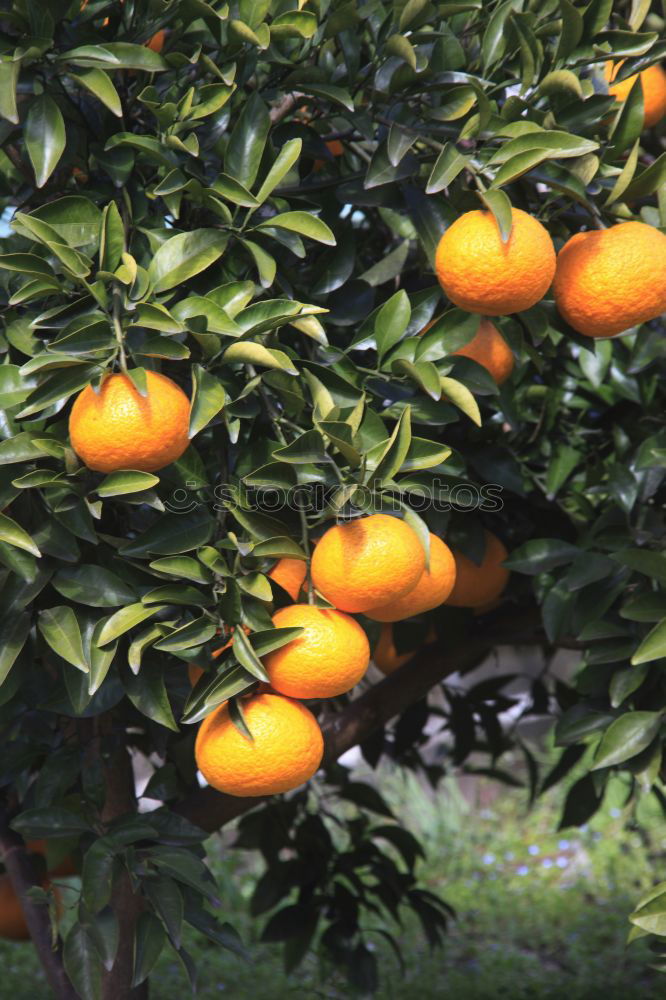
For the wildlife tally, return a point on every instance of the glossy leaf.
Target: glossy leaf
(44, 137)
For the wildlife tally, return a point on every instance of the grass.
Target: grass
(541, 915)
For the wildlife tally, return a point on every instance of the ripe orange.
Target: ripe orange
(386, 657)
(608, 280)
(67, 866)
(367, 562)
(285, 751)
(653, 80)
(118, 428)
(12, 922)
(481, 274)
(479, 585)
(290, 575)
(489, 348)
(328, 658)
(431, 589)
(194, 672)
(156, 43)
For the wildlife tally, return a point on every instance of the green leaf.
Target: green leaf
(92, 585)
(563, 80)
(626, 737)
(461, 397)
(518, 165)
(247, 141)
(648, 181)
(424, 373)
(447, 166)
(498, 203)
(182, 566)
(266, 265)
(572, 30)
(494, 41)
(125, 619)
(147, 692)
(192, 634)
(45, 137)
(112, 238)
(78, 263)
(9, 72)
(541, 555)
(116, 55)
(557, 145)
(58, 387)
(82, 963)
(26, 263)
(247, 352)
(100, 659)
(303, 223)
(50, 822)
(629, 121)
(392, 456)
(99, 84)
(74, 220)
(337, 95)
(424, 454)
(649, 563)
(184, 255)
(399, 45)
(307, 448)
(294, 23)
(209, 693)
(118, 484)
(626, 174)
(391, 322)
(150, 938)
(167, 901)
(61, 631)
(14, 631)
(286, 159)
(234, 191)
(279, 547)
(208, 398)
(653, 646)
(173, 534)
(13, 534)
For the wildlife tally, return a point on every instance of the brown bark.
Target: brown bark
(126, 904)
(210, 809)
(23, 877)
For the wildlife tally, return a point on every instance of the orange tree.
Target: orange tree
(239, 205)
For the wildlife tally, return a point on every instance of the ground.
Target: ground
(542, 915)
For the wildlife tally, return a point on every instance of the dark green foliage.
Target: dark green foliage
(253, 210)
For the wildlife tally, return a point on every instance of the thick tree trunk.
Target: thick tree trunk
(20, 870)
(127, 905)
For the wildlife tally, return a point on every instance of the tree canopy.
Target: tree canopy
(248, 197)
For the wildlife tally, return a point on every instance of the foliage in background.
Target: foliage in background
(183, 210)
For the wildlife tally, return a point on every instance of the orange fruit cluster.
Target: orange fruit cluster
(374, 564)
(604, 281)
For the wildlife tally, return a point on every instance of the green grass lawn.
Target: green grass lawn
(541, 914)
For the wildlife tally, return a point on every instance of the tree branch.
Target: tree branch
(210, 809)
(20, 870)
